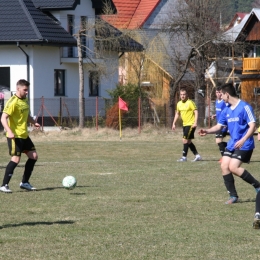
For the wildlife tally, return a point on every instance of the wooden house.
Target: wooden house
(247, 32)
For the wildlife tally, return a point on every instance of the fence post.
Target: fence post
(97, 113)
(42, 106)
(61, 102)
(165, 115)
(139, 115)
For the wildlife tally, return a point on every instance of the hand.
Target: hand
(202, 132)
(173, 127)
(10, 135)
(258, 137)
(239, 144)
(37, 125)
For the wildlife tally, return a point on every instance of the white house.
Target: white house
(36, 44)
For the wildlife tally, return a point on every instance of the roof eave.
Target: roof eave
(41, 43)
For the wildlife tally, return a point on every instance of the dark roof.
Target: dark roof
(21, 21)
(58, 4)
(110, 37)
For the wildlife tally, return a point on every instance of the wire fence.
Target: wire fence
(65, 112)
(101, 112)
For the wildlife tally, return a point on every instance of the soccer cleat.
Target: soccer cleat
(5, 189)
(183, 159)
(197, 158)
(256, 223)
(232, 200)
(27, 186)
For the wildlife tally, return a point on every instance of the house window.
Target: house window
(83, 38)
(93, 83)
(59, 82)
(4, 78)
(71, 31)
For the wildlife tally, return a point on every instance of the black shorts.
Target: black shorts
(221, 134)
(18, 145)
(188, 132)
(242, 155)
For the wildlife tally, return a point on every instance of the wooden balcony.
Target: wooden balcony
(251, 65)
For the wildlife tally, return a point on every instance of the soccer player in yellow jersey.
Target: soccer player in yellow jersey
(187, 110)
(16, 115)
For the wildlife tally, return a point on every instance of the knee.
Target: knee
(33, 155)
(233, 169)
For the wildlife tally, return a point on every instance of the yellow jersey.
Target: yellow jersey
(186, 110)
(18, 111)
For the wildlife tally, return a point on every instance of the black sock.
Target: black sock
(185, 150)
(230, 184)
(28, 170)
(247, 177)
(222, 147)
(193, 148)
(257, 202)
(9, 172)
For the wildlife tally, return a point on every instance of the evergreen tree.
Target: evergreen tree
(244, 6)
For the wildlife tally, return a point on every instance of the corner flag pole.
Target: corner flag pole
(120, 131)
(121, 105)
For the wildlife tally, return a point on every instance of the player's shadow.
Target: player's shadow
(55, 188)
(246, 200)
(48, 223)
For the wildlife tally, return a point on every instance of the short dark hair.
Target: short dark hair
(183, 89)
(218, 88)
(229, 88)
(23, 82)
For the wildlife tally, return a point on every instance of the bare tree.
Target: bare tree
(99, 43)
(256, 4)
(195, 26)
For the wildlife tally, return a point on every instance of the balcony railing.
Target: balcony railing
(251, 65)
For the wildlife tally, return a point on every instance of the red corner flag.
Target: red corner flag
(122, 104)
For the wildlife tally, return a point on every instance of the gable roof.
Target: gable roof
(238, 17)
(52, 5)
(237, 32)
(21, 21)
(131, 14)
(119, 42)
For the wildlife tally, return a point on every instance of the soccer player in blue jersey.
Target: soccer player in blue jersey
(256, 223)
(220, 105)
(240, 120)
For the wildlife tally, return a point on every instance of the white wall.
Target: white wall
(44, 60)
(13, 57)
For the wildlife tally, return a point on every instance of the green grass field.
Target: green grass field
(132, 201)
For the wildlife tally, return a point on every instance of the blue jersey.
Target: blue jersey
(220, 105)
(237, 120)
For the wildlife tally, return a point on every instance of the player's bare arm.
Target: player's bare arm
(175, 120)
(4, 121)
(249, 133)
(196, 119)
(33, 122)
(212, 130)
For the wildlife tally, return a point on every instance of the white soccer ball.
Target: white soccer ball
(69, 182)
